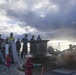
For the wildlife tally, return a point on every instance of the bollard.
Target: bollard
(29, 67)
(8, 61)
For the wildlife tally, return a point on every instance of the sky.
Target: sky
(52, 19)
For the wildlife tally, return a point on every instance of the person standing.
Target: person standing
(39, 38)
(24, 41)
(32, 39)
(18, 46)
(1, 41)
(32, 45)
(10, 39)
(2, 53)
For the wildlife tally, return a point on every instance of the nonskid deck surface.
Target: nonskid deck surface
(14, 71)
(63, 71)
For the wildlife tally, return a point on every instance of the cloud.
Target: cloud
(53, 19)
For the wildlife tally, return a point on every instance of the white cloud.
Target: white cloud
(18, 5)
(44, 6)
(15, 28)
(38, 16)
(2, 1)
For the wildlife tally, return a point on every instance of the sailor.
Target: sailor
(32, 45)
(18, 46)
(11, 38)
(1, 49)
(32, 39)
(1, 41)
(39, 38)
(24, 41)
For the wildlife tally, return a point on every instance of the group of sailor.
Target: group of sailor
(17, 43)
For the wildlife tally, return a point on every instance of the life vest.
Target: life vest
(11, 38)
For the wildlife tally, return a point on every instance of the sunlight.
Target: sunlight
(60, 44)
